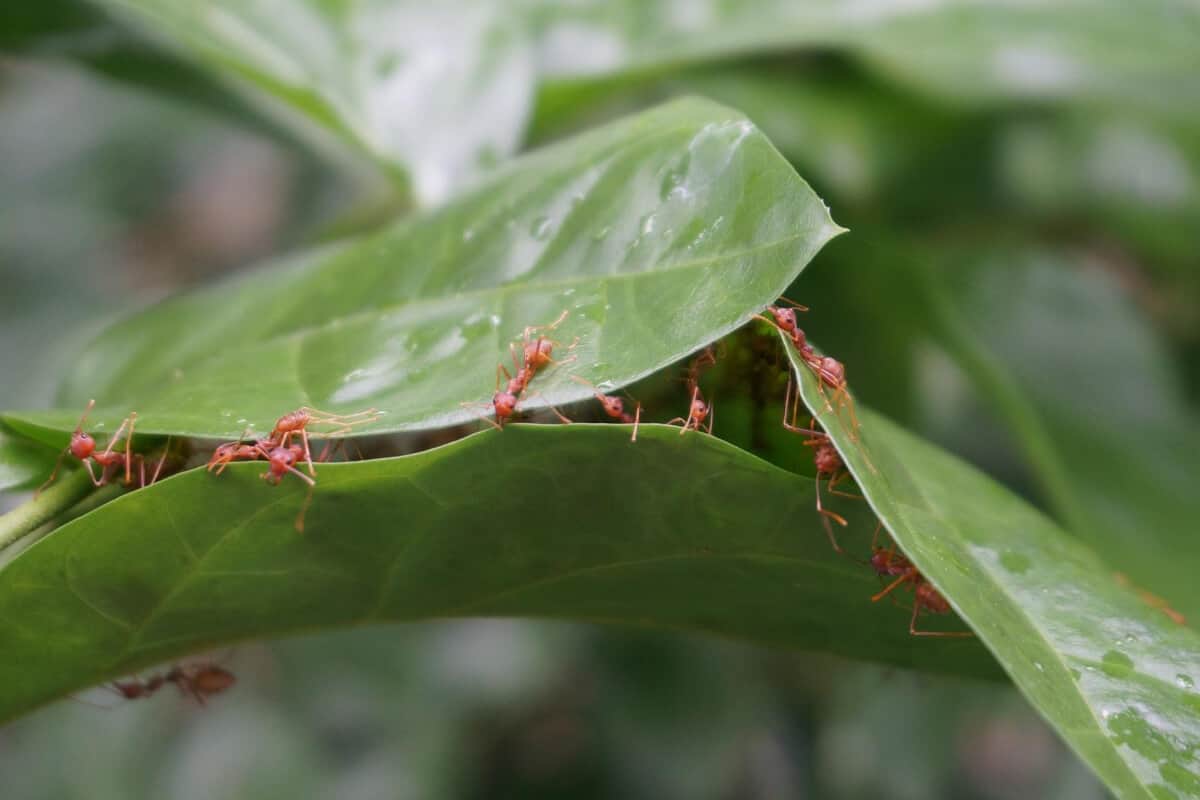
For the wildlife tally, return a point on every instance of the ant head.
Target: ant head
(281, 458)
(82, 445)
(505, 403)
(613, 406)
(785, 318)
(881, 561)
(699, 408)
(827, 459)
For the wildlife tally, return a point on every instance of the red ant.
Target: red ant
(926, 597)
(829, 371)
(83, 447)
(200, 682)
(535, 354)
(826, 458)
(297, 422)
(614, 407)
(698, 410)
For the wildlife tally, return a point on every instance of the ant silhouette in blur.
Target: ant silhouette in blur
(199, 682)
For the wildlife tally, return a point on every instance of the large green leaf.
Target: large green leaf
(1113, 675)
(685, 532)
(658, 234)
(404, 83)
(1115, 459)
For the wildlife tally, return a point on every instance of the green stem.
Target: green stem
(47, 505)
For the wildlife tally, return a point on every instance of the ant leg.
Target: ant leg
(912, 627)
(531, 328)
(712, 417)
(875, 536)
(691, 412)
(832, 539)
(561, 417)
(637, 420)
(835, 480)
(307, 453)
(890, 587)
(129, 449)
(308, 498)
(793, 303)
(87, 463)
(838, 518)
(53, 473)
(474, 406)
(162, 460)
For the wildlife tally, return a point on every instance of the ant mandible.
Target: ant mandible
(83, 447)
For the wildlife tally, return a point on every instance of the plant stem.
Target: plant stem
(47, 505)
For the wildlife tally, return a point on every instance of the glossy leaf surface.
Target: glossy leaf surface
(1114, 675)
(657, 234)
(684, 532)
(348, 74)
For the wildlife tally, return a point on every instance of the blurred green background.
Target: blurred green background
(1019, 285)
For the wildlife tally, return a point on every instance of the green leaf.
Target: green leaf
(23, 463)
(1116, 460)
(658, 234)
(402, 84)
(1113, 675)
(676, 531)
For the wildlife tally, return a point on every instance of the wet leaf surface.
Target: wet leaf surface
(1110, 672)
(657, 234)
(680, 532)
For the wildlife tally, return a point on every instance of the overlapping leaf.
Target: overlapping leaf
(1113, 674)
(549, 521)
(350, 74)
(657, 234)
